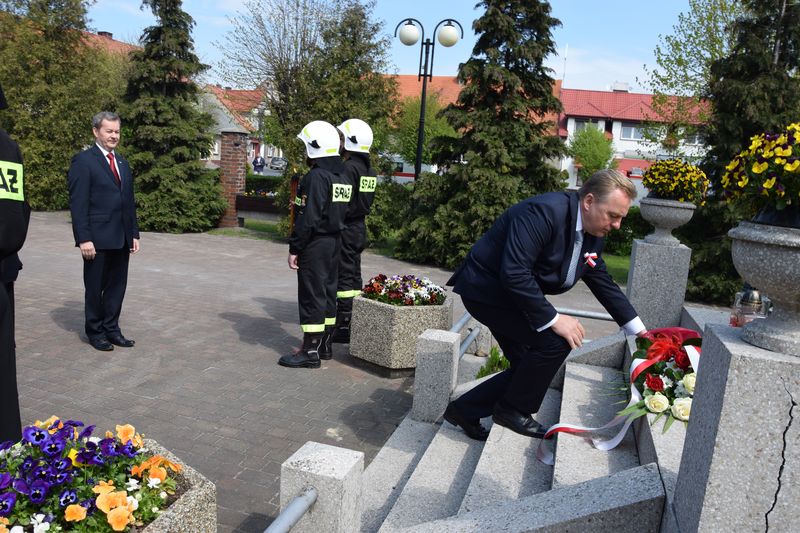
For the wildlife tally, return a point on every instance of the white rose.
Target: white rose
(688, 382)
(657, 403)
(682, 408)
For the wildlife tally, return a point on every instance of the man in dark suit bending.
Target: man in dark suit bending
(105, 229)
(541, 246)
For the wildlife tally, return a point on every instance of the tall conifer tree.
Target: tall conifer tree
(167, 133)
(502, 113)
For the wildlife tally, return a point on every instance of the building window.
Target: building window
(632, 131)
(695, 138)
(582, 123)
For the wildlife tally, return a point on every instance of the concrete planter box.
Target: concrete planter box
(257, 207)
(196, 510)
(386, 335)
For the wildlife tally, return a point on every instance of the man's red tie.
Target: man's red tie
(113, 164)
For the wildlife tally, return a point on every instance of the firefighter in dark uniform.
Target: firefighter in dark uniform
(320, 207)
(14, 216)
(357, 142)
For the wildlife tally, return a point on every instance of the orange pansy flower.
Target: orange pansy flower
(111, 500)
(75, 513)
(125, 433)
(119, 518)
(158, 472)
(104, 487)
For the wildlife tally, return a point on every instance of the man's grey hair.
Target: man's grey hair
(604, 182)
(110, 116)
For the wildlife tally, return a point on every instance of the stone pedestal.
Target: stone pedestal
(437, 371)
(386, 335)
(657, 282)
(740, 466)
(336, 474)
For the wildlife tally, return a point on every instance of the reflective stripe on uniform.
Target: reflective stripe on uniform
(298, 201)
(313, 328)
(348, 294)
(330, 321)
(11, 184)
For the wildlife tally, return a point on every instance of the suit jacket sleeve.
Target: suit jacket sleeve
(608, 293)
(79, 182)
(526, 237)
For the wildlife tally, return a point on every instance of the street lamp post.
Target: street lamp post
(448, 35)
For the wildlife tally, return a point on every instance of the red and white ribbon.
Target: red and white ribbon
(590, 258)
(545, 454)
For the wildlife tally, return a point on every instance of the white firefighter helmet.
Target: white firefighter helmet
(321, 139)
(357, 135)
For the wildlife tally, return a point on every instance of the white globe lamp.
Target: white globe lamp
(409, 34)
(448, 35)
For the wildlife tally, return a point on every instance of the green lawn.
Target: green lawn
(254, 229)
(618, 266)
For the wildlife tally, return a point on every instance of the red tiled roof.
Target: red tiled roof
(108, 44)
(447, 87)
(238, 102)
(615, 105)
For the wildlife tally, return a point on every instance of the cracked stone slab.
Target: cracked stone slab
(741, 458)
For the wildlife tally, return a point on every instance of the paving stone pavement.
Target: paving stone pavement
(211, 315)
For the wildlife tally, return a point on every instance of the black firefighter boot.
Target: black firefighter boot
(308, 356)
(325, 345)
(344, 311)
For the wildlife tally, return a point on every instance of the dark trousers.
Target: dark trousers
(105, 279)
(354, 239)
(535, 357)
(10, 424)
(316, 283)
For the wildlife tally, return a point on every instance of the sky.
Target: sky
(603, 42)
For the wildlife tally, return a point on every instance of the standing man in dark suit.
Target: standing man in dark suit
(14, 216)
(541, 246)
(105, 229)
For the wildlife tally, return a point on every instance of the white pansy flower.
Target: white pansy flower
(656, 403)
(132, 484)
(155, 510)
(163, 495)
(682, 408)
(153, 482)
(95, 440)
(133, 503)
(16, 529)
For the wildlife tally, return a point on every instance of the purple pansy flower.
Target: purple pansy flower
(52, 447)
(86, 433)
(7, 501)
(63, 476)
(43, 472)
(129, 450)
(67, 497)
(110, 447)
(34, 435)
(5, 480)
(38, 491)
(61, 464)
(6, 444)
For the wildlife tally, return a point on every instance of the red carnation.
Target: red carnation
(682, 360)
(654, 383)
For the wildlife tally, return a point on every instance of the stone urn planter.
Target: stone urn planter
(665, 216)
(195, 511)
(386, 335)
(768, 257)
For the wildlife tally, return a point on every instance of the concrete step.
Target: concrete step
(437, 486)
(508, 468)
(589, 398)
(389, 471)
(626, 502)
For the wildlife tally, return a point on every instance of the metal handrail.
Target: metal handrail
(473, 334)
(458, 326)
(293, 512)
(585, 314)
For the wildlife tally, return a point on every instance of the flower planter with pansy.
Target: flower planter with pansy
(61, 478)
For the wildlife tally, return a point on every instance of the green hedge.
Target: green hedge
(255, 182)
(633, 227)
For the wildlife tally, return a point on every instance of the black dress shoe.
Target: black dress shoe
(517, 422)
(119, 340)
(301, 359)
(101, 344)
(472, 428)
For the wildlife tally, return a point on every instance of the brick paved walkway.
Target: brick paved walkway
(211, 314)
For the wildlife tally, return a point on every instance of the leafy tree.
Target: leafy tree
(54, 83)
(755, 88)
(407, 127)
(702, 35)
(506, 139)
(592, 151)
(169, 132)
